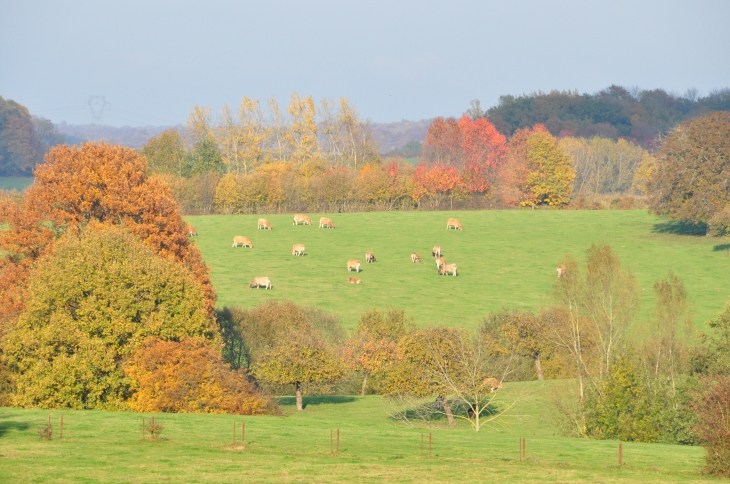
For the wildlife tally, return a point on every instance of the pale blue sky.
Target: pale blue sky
(154, 60)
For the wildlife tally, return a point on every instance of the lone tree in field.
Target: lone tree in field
(448, 363)
(689, 178)
(373, 346)
(90, 303)
(285, 344)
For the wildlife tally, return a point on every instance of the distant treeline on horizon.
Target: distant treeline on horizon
(615, 112)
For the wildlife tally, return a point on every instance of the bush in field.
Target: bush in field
(190, 376)
(90, 302)
(713, 411)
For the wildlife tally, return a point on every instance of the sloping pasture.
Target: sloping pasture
(505, 259)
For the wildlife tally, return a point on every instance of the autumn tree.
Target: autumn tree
(285, 344)
(689, 177)
(373, 345)
(518, 332)
(89, 304)
(166, 153)
(95, 182)
(302, 132)
(442, 144)
(20, 147)
(190, 376)
(451, 364)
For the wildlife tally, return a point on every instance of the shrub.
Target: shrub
(713, 411)
(190, 376)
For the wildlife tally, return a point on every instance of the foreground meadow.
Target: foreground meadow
(505, 259)
(108, 447)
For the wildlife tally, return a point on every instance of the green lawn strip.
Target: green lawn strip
(108, 447)
(505, 259)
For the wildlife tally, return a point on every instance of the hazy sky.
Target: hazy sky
(154, 60)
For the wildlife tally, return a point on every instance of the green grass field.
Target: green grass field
(505, 259)
(15, 182)
(108, 447)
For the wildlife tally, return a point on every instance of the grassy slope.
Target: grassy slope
(15, 182)
(505, 259)
(107, 447)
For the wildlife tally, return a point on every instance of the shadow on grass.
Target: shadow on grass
(6, 426)
(679, 227)
(433, 412)
(721, 247)
(315, 400)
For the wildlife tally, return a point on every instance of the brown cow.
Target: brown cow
(446, 269)
(354, 280)
(297, 249)
(453, 223)
(260, 282)
(325, 223)
(436, 252)
(492, 383)
(353, 264)
(370, 257)
(303, 219)
(192, 232)
(240, 240)
(263, 223)
(415, 257)
(439, 262)
(562, 270)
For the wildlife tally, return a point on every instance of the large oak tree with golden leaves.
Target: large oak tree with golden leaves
(77, 185)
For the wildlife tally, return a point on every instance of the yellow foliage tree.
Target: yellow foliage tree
(302, 133)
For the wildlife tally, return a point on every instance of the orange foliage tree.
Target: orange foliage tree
(80, 184)
(190, 376)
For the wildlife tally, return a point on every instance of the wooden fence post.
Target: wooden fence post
(60, 436)
(421, 444)
(243, 433)
(142, 428)
(620, 454)
(331, 451)
(429, 443)
(338, 441)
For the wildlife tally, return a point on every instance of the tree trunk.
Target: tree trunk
(449, 415)
(299, 396)
(538, 367)
(364, 382)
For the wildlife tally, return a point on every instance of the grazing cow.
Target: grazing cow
(415, 257)
(260, 282)
(325, 223)
(436, 252)
(562, 270)
(240, 240)
(354, 280)
(447, 269)
(440, 261)
(264, 224)
(492, 383)
(192, 232)
(297, 249)
(353, 264)
(453, 223)
(370, 257)
(303, 219)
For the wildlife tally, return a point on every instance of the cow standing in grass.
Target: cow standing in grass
(447, 269)
(301, 219)
(192, 232)
(325, 223)
(241, 241)
(297, 250)
(492, 383)
(260, 282)
(415, 257)
(354, 280)
(440, 261)
(264, 224)
(370, 257)
(353, 265)
(436, 252)
(452, 223)
(562, 270)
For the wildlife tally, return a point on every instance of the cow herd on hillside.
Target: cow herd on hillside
(442, 267)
